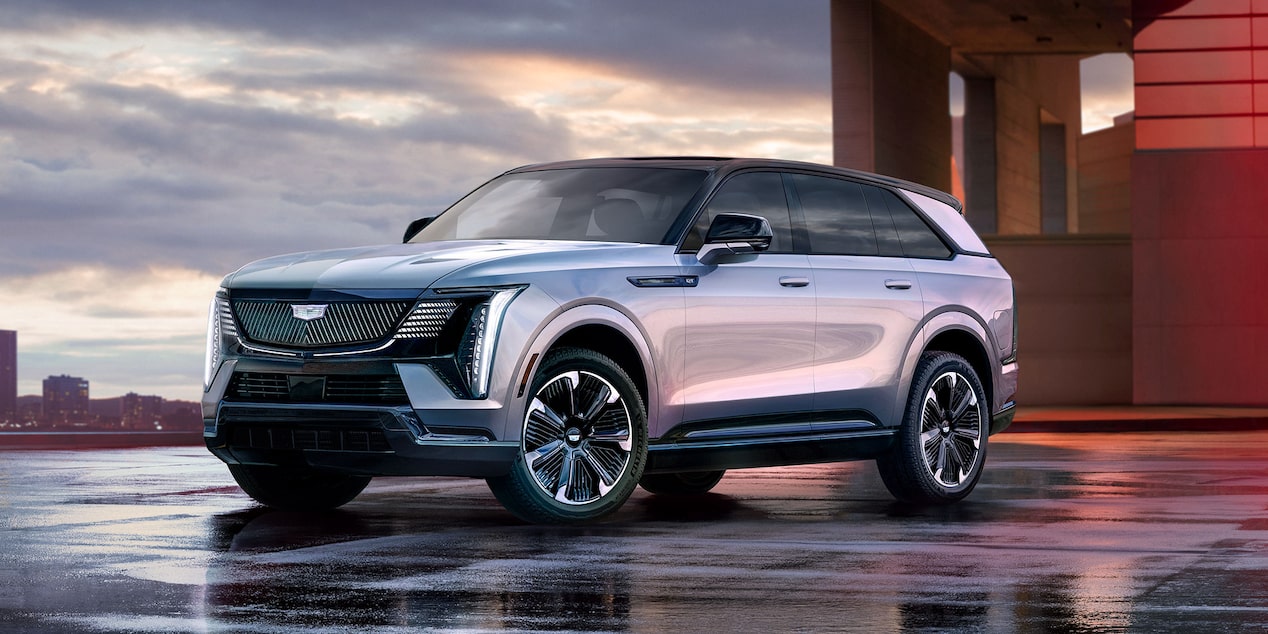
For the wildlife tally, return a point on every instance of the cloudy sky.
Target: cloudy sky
(149, 148)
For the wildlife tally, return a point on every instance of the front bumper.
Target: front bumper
(352, 439)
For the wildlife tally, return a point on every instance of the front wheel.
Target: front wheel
(941, 446)
(297, 488)
(583, 443)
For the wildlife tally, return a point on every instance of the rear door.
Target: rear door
(868, 303)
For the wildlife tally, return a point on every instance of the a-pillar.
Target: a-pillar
(890, 83)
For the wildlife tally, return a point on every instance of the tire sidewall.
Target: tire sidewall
(574, 359)
(931, 367)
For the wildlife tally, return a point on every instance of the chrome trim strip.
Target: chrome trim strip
(665, 281)
(784, 429)
(280, 353)
(358, 351)
(446, 440)
(748, 442)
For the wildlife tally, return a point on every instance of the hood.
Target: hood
(395, 266)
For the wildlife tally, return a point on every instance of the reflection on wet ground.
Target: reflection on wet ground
(1076, 532)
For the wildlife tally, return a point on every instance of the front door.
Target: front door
(750, 320)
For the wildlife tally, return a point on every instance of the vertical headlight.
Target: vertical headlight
(475, 353)
(219, 325)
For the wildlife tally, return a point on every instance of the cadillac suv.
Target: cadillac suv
(570, 330)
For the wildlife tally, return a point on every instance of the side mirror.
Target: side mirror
(416, 226)
(734, 234)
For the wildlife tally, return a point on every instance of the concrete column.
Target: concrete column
(853, 142)
(981, 208)
(889, 95)
(1024, 86)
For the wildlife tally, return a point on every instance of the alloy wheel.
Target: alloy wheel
(951, 429)
(577, 437)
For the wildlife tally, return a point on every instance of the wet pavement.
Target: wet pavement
(1066, 532)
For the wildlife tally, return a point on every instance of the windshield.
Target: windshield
(609, 204)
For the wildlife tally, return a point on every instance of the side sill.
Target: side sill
(768, 452)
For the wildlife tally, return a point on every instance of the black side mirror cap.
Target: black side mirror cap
(416, 226)
(735, 234)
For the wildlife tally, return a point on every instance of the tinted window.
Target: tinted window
(836, 216)
(598, 203)
(756, 194)
(887, 242)
(918, 240)
(950, 221)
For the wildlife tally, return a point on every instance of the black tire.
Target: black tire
(682, 484)
(935, 436)
(297, 488)
(583, 442)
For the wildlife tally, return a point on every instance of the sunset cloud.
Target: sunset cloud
(147, 148)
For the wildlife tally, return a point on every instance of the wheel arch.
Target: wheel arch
(609, 342)
(962, 342)
(605, 330)
(958, 332)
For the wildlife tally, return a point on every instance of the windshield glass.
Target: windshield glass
(609, 204)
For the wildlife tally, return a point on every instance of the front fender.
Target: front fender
(558, 325)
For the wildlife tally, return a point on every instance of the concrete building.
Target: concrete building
(66, 401)
(1139, 251)
(142, 412)
(8, 375)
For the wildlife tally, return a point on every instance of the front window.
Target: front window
(607, 204)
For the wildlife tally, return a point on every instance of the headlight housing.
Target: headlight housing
(219, 327)
(479, 343)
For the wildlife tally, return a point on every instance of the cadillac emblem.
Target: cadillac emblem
(309, 312)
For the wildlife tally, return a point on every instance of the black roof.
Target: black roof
(713, 163)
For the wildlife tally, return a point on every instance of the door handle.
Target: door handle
(900, 285)
(795, 282)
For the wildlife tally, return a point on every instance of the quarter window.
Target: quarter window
(918, 240)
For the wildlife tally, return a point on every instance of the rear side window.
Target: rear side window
(836, 215)
(887, 242)
(915, 236)
(755, 194)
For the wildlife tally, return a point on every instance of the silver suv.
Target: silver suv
(568, 331)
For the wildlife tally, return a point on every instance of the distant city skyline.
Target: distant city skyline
(66, 405)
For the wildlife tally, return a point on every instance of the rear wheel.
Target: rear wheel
(584, 442)
(297, 488)
(685, 483)
(941, 445)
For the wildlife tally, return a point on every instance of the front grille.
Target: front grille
(269, 387)
(323, 439)
(342, 324)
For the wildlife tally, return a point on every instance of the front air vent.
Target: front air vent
(318, 438)
(427, 319)
(351, 389)
(316, 325)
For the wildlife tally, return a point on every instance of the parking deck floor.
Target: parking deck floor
(1158, 531)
